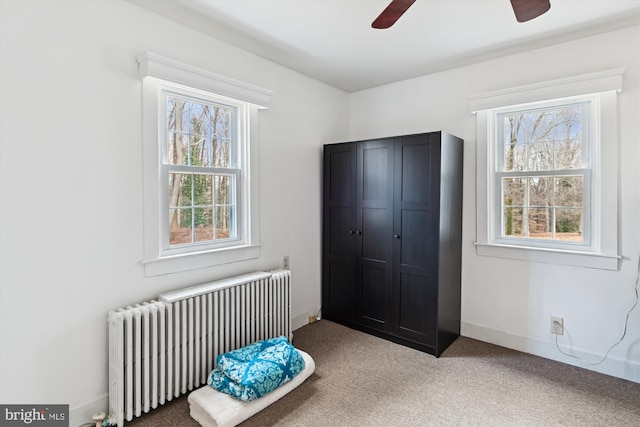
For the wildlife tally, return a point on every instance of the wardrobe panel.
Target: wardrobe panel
(375, 173)
(375, 234)
(340, 181)
(340, 297)
(416, 174)
(340, 230)
(373, 292)
(418, 298)
(339, 291)
(419, 239)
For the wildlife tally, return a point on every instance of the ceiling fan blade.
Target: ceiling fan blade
(392, 13)
(526, 10)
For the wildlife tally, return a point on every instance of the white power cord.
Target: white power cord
(624, 330)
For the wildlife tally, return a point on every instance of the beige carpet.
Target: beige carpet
(361, 380)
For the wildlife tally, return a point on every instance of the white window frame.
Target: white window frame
(589, 145)
(601, 89)
(240, 121)
(159, 76)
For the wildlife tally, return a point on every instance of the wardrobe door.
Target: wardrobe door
(416, 237)
(338, 232)
(374, 224)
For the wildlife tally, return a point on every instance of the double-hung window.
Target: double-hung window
(200, 151)
(543, 174)
(201, 170)
(547, 171)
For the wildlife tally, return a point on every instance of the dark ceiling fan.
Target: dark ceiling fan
(525, 10)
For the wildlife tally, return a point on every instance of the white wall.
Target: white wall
(71, 185)
(509, 302)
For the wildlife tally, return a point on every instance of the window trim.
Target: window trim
(602, 252)
(156, 72)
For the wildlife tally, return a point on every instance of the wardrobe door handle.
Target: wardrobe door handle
(359, 233)
(351, 232)
(396, 236)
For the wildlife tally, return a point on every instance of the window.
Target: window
(200, 144)
(542, 175)
(547, 171)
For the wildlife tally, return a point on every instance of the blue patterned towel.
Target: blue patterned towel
(257, 369)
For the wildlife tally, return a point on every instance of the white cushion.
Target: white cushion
(212, 408)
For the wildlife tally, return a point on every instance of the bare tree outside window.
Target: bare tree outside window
(201, 173)
(542, 178)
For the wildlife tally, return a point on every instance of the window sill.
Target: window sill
(193, 261)
(547, 255)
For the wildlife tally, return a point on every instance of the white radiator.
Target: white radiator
(164, 348)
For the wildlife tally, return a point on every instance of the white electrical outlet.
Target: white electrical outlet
(557, 325)
(285, 262)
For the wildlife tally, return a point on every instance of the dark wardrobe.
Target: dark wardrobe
(392, 228)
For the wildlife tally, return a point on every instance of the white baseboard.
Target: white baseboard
(616, 367)
(299, 321)
(82, 414)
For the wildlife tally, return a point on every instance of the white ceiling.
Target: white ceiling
(332, 40)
